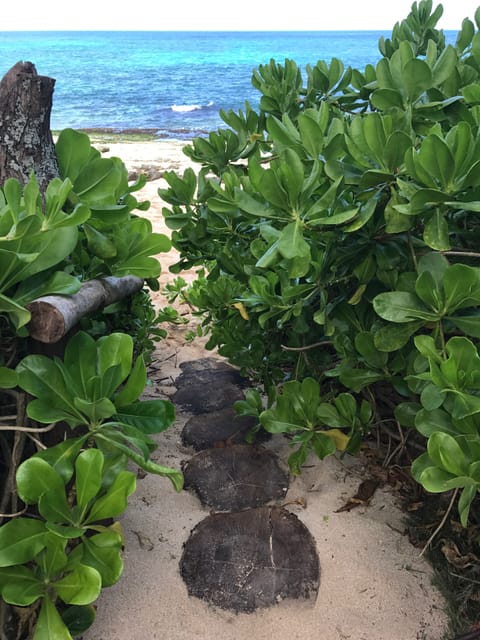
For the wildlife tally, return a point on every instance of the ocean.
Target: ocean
(171, 83)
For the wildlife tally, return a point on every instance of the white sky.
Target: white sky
(225, 15)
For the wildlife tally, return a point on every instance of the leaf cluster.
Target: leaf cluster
(339, 225)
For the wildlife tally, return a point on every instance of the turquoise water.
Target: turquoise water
(171, 82)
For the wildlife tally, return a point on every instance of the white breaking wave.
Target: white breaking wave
(184, 108)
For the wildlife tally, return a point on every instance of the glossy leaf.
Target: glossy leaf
(20, 586)
(50, 624)
(78, 618)
(114, 502)
(80, 586)
(88, 476)
(149, 416)
(35, 477)
(21, 540)
(444, 450)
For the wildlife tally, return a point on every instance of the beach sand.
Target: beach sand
(374, 585)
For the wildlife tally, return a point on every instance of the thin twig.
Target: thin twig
(308, 346)
(40, 445)
(28, 429)
(13, 515)
(470, 254)
(442, 522)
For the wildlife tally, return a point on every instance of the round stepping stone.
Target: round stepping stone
(217, 428)
(250, 559)
(207, 385)
(236, 477)
(206, 369)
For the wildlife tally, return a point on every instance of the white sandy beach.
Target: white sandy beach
(374, 585)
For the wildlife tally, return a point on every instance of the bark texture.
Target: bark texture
(26, 142)
(54, 316)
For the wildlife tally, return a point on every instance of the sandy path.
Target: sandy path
(374, 585)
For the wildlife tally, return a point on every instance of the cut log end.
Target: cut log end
(47, 323)
(53, 316)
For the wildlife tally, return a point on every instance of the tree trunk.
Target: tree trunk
(54, 316)
(26, 142)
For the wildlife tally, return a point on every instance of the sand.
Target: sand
(374, 585)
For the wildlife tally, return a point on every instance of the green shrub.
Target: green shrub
(339, 228)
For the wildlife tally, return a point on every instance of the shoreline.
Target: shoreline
(134, 135)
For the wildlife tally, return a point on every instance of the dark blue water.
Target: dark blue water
(172, 82)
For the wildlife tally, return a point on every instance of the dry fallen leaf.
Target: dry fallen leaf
(455, 558)
(144, 541)
(364, 494)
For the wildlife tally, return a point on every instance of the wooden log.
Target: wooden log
(26, 142)
(53, 316)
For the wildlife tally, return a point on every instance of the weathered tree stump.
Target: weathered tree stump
(217, 428)
(236, 477)
(26, 143)
(207, 385)
(250, 559)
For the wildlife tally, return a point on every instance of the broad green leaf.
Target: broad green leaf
(297, 459)
(436, 232)
(391, 338)
(328, 415)
(66, 532)
(80, 586)
(88, 476)
(8, 378)
(417, 78)
(323, 445)
(36, 287)
(445, 452)
(433, 478)
(49, 624)
(73, 151)
(79, 618)
(115, 349)
(42, 378)
(467, 496)
(21, 540)
(432, 397)
(53, 558)
(271, 424)
(470, 325)
(149, 416)
(18, 315)
(291, 243)
(80, 359)
(53, 506)
(365, 345)
(114, 502)
(103, 552)
(406, 413)
(462, 287)
(400, 306)
(428, 422)
(62, 455)
(95, 412)
(358, 379)
(386, 99)
(134, 385)
(35, 477)
(462, 367)
(292, 175)
(98, 243)
(429, 293)
(20, 586)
